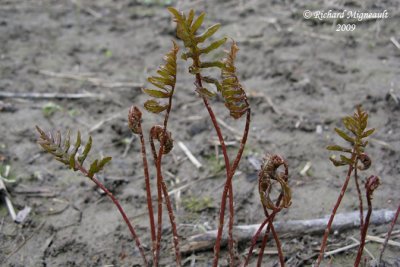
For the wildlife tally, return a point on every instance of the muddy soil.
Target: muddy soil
(301, 76)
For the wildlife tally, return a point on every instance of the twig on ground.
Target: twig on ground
(128, 147)
(364, 248)
(100, 123)
(25, 240)
(93, 80)
(345, 248)
(4, 195)
(236, 133)
(189, 154)
(305, 169)
(378, 239)
(33, 95)
(289, 228)
(395, 42)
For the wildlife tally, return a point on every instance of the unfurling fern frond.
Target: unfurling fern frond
(165, 82)
(61, 150)
(357, 125)
(232, 91)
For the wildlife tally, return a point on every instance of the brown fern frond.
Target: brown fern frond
(164, 82)
(356, 126)
(62, 151)
(232, 91)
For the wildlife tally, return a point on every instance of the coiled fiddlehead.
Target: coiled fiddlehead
(157, 132)
(62, 151)
(268, 173)
(164, 81)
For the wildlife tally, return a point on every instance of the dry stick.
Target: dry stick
(377, 239)
(396, 216)
(190, 155)
(93, 80)
(328, 227)
(148, 191)
(48, 95)
(120, 209)
(291, 228)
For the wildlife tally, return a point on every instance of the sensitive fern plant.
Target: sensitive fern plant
(356, 160)
(232, 93)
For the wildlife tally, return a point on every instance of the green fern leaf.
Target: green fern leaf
(62, 152)
(208, 33)
(154, 106)
(165, 82)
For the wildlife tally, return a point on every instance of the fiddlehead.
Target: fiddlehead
(157, 133)
(266, 177)
(164, 83)
(135, 120)
(62, 151)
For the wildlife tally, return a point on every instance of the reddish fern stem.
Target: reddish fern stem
(172, 220)
(148, 193)
(328, 227)
(363, 233)
(160, 182)
(360, 200)
(159, 207)
(274, 234)
(371, 184)
(227, 187)
(254, 241)
(120, 209)
(232, 172)
(396, 216)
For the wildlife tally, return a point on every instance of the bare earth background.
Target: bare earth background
(300, 75)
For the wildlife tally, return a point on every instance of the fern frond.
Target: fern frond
(232, 91)
(186, 30)
(164, 82)
(63, 153)
(356, 126)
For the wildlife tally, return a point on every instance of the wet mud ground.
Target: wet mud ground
(301, 78)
